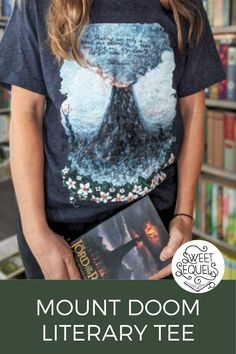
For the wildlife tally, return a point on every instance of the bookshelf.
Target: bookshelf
(224, 30)
(223, 174)
(228, 105)
(217, 175)
(230, 250)
(5, 110)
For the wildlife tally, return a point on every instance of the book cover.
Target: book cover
(209, 187)
(231, 74)
(223, 53)
(219, 13)
(218, 136)
(231, 219)
(126, 246)
(235, 145)
(220, 212)
(226, 207)
(210, 137)
(198, 206)
(211, 11)
(203, 205)
(229, 141)
(214, 226)
(233, 17)
(227, 12)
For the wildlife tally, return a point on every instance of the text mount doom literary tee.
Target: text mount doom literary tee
(112, 130)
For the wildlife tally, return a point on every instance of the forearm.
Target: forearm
(27, 165)
(190, 159)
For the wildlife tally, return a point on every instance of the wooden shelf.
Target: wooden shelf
(231, 250)
(224, 30)
(5, 110)
(231, 105)
(226, 175)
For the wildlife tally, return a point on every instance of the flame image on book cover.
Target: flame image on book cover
(126, 246)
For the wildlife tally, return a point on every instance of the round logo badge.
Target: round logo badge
(198, 266)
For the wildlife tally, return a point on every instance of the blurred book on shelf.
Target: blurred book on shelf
(230, 267)
(5, 98)
(220, 150)
(226, 89)
(215, 211)
(221, 12)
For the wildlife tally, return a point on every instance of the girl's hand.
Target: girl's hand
(54, 256)
(180, 230)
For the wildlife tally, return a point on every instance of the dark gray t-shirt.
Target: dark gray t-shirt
(112, 131)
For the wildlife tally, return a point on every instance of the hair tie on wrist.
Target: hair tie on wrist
(183, 214)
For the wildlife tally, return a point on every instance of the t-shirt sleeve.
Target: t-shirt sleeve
(203, 66)
(19, 51)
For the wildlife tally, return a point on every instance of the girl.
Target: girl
(107, 106)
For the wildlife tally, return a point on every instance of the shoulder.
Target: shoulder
(32, 6)
(30, 11)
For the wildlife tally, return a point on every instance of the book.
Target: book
(219, 13)
(218, 139)
(231, 74)
(217, 214)
(233, 18)
(223, 52)
(229, 141)
(126, 246)
(235, 145)
(227, 12)
(211, 11)
(210, 137)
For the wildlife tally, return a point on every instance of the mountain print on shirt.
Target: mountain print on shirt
(118, 113)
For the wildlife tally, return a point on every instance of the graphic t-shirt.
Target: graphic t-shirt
(112, 130)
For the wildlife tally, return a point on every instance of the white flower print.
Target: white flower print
(137, 189)
(112, 189)
(65, 171)
(71, 184)
(155, 181)
(78, 178)
(95, 199)
(145, 191)
(122, 190)
(84, 189)
(131, 197)
(119, 198)
(104, 197)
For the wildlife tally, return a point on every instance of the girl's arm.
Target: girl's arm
(189, 167)
(27, 164)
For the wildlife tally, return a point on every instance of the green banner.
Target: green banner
(39, 317)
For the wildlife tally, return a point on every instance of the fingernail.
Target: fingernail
(163, 257)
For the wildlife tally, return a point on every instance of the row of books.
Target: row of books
(226, 89)
(221, 12)
(6, 7)
(230, 268)
(5, 98)
(220, 131)
(215, 210)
